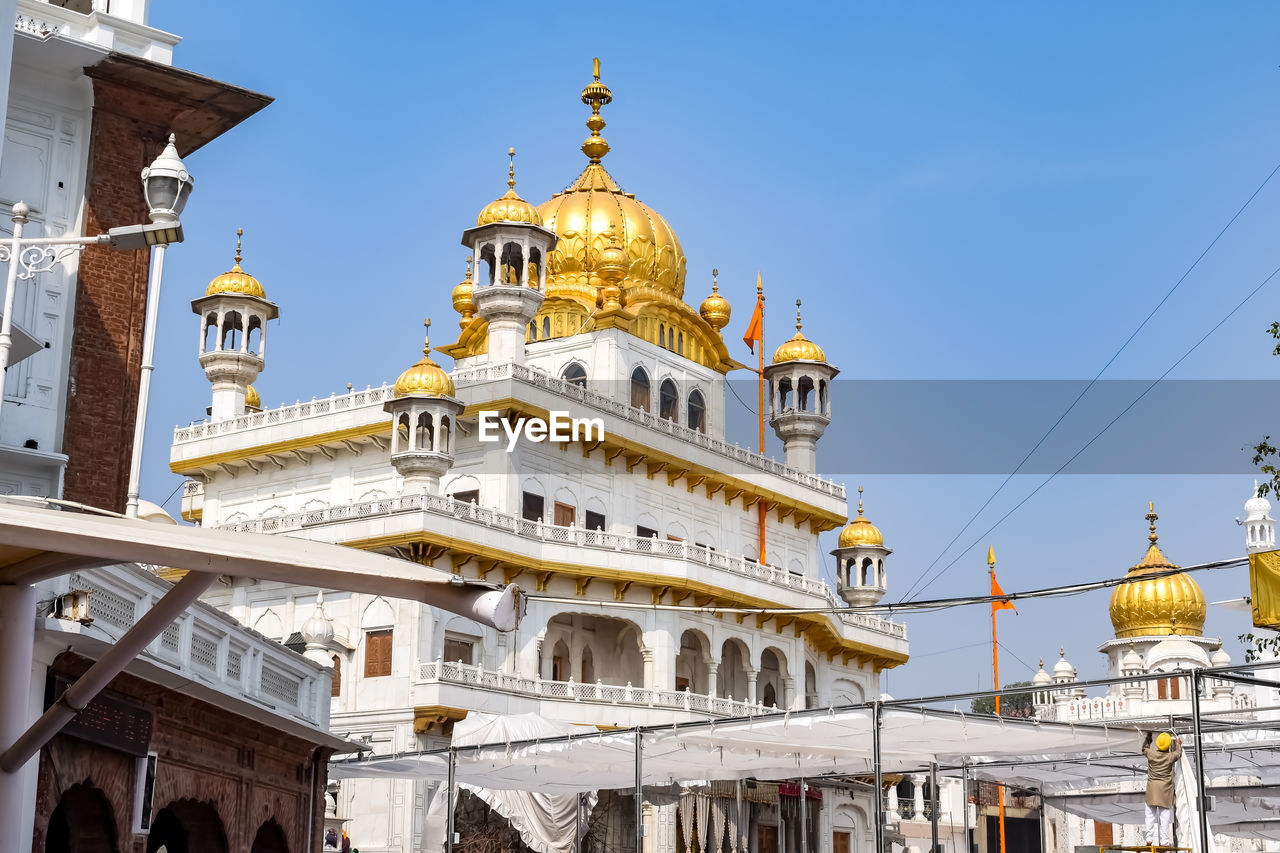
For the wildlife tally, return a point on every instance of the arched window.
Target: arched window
(422, 441)
(533, 331)
(640, 389)
(210, 333)
(232, 329)
(254, 344)
(336, 690)
(668, 401)
(574, 374)
(444, 434)
(402, 432)
(697, 412)
(680, 344)
(546, 327)
(662, 335)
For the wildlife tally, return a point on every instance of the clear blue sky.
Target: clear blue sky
(957, 192)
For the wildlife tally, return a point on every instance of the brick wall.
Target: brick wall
(240, 774)
(129, 129)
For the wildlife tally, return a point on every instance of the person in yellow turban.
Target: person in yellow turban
(1162, 762)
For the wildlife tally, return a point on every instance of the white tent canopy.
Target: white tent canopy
(777, 746)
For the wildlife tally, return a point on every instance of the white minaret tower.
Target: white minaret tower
(233, 333)
(800, 398)
(860, 556)
(424, 418)
(1259, 526)
(509, 237)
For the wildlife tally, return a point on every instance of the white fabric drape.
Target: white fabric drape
(703, 805)
(718, 806)
(686, 819)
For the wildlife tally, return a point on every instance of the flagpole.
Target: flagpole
(762, 512)
(995, 670)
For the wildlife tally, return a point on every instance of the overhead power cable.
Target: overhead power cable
(894, 607)
(982, 538)
(1087, 388)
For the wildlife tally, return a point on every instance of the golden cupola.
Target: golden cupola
(798, 347)
(236, 280)
(252, 400)
(1157, 600)
(715, 308)
(425, 378)
(464, 301)
(509, 207)
(860, 531)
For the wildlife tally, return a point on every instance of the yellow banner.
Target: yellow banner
(1264, 589)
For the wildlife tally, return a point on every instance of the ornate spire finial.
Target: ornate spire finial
(511, 169)
(1151, 519)
(991, 555)
(595, 96)
(1062, 652)
(470, 260)
(239, 236)
(426, 338)
(715, 288)
(348, 387)
(759, 284)
(1042, 663)
(797, 315)
(859, 500)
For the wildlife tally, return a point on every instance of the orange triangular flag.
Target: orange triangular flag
(997, 592)
(755, 329)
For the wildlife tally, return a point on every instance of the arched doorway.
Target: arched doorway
(81, 823)
(185, 826)
(270, 839)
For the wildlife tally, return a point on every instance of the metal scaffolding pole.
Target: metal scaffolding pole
(878, 793)
(450, 803)
(639, 791)
(1199, 748)
(964, 803)
(934, 800)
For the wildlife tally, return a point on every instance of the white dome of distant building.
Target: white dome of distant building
(1063, 670)
(1220, 657)
(1132, 661)
(1041, 677)
(318, 630)
(1257, 507)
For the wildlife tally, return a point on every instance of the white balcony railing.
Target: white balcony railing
(577, 536)
(433, 672)
(209, 647)
(522, 373)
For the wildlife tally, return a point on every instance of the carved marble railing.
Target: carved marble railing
(295, 412)
(636, 415)
(536, 530)
(43, 19)
(632, 414)
(208, 646)
(444, 672)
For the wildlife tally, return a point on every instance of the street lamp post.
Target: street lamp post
(166, 185)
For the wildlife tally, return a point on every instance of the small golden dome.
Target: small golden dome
(1157, 606)
(510, 207)
(799, 348)
(860, 531)
(464, 297)
(715, 308)
(251, 398)
(426, 378)
(236, 280)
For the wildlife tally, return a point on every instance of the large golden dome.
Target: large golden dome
(236, 280)
(617, 264)
(1157, 606)
(425, 378)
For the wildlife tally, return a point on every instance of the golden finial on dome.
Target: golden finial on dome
(425, 378)
(464, 297)
(236, 280)
(798, 348)
(715, 308)
(510, 207)
(860, 531)
(595, 95)
(1151, 518)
